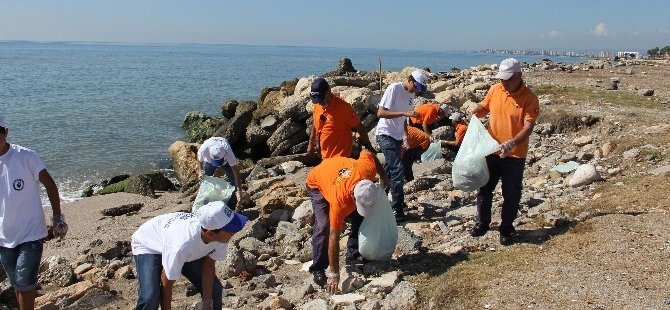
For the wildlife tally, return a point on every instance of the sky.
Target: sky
(421, 25)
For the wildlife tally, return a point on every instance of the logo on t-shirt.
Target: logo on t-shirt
(18, 184)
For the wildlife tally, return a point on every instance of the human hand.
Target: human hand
(58, 226)
(506, 148)
(333, 281)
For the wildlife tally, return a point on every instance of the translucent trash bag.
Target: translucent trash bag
(212, 189)
(433, 152)
(378, 234)
(469, 171)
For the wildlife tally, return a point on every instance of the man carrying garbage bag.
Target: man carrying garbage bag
(337, 187)
(175, 244)
(216, 152)
(514, 109)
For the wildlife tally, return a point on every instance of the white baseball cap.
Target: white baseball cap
(507, 68)
(216, 153)
(421, 80)
(216, 215)
(2, 122)
(365, 194)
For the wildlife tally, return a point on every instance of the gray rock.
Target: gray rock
(407, 242)
(199, 126)
(269, 122)
(283, 132)
(238, 260)
(347, 299)
(584, 175)
(236, 127)
(266, 281)
(403, 297)
(632, 153)
(317, 304)
(556, 218)
(294, 108)
(125, 272)
(56, 271)
(291, 166)
(646, 92)
(228, 108)
(257, 136)
(420, 184)
(351, 281)
(255, 246)
(304, 215)
(583, 140)
(384, 284)
(122, 210)
(661, 170)
(83, 268)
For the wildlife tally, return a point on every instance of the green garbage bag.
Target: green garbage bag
(212, 189)
(378, 234)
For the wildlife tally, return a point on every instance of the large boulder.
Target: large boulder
(235, 128)
(584, 175)
(185, 161)
(362, 100)
(304, 86)
(283, 132)
(228, 108)
(293, 107)
(199, 127)
(455, 97)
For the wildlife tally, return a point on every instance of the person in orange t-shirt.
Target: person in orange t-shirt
(339, 188)
(427, 115)
(334, 120)
(460, 127)
(417, 142)
(514, 109)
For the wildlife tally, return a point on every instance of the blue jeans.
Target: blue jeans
(510, 171)
(149, 270)
(393, 165)
(22, 264)
(209, 169)
(321, 231)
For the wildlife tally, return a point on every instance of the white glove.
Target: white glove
(332, 284)
(58, 226)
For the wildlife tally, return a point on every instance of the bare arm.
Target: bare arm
(208, 275)
(382, 173)
(386, 113)
(166, 292)
(52, 191)
(312, 141)
(238, 181)
(524, 133)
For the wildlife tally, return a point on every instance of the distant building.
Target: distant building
(633, 55)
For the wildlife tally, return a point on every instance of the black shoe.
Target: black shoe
(319, 277)
(479, 230)
(399, 216)
(506, 239)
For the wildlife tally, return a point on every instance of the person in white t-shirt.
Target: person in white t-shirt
(216, 152)
(22, 224)
(180, 243)
(394, 108)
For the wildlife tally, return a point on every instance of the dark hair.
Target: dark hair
(2, 129)
(411, 78)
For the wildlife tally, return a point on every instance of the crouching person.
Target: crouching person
(181, 243)
(337, 187)
(417, 143)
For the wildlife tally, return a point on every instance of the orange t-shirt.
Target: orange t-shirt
(333, 127)
(461, 128)
(427, 113)
(417, 138)
(336, 177)
(508, 112)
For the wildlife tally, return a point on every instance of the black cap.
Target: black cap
(319, 89)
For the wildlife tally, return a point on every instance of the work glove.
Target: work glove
(58, 226)
(333, 281)
(506, 148)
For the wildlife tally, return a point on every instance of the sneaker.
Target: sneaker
(478, 230)
(506, 239)
(319, 277)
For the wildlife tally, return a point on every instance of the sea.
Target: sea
(95, 110)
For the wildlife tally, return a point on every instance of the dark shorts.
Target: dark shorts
(22, 264)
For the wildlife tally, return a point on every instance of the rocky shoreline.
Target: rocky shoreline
(577, 146)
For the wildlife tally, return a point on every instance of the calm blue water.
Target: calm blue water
(97, 110)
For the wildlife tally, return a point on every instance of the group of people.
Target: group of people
(340, 188)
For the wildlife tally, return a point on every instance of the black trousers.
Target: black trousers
(510, 171)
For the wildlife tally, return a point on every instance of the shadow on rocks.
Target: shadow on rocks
(433, 264)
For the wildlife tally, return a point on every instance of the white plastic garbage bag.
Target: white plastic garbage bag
(378, 234)
(212, 189)
(469, 171)
(433, 152)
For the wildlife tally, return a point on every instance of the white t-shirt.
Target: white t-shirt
(176, 237)
(21, 213)
(228, 155)
(395, 99)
